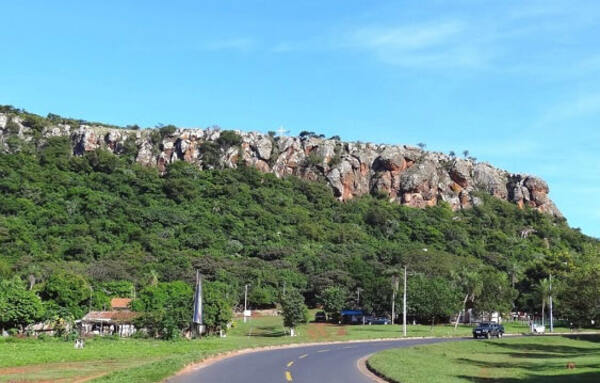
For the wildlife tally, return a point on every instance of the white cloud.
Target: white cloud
(519, 38)
(408, 37)
(582, 106)
(434, 44)
(239, 44)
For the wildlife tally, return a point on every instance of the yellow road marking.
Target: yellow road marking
(322, 350)
(302, 356)
(290, 363)
(288, 376)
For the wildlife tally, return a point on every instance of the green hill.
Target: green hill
(108, 219)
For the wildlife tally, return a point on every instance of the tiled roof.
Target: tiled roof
(110, 316)
(120, 303)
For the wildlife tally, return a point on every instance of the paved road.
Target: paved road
(307, 364)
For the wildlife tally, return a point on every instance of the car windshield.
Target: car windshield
(485, 325)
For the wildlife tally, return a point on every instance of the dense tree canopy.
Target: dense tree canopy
(166, 308)
(73, 226)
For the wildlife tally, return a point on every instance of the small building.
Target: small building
(117, 321)
(120, 304)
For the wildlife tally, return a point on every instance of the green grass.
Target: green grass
(509, 360)
(147, 360)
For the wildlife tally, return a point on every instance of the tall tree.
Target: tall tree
(544, 292)
(580, 295)
(431, 298)
(394, 275)
(68, 291)
(166, 308)
(19, 307)
(470, 283)
(496, 293)
(333, 300)
(294, 310)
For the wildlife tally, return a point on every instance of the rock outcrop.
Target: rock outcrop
(405, 174)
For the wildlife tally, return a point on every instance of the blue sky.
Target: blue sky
(517, 83)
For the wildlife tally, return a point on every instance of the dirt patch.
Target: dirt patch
(88, 378)
(317, 331)
(484, 373)
(95, 369)
(341, 331)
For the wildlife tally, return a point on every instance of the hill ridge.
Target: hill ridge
(402, 173)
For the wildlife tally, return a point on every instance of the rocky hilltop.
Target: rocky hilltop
(405, 174)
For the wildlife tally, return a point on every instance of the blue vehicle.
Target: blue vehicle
(352, 316)
(377, 320)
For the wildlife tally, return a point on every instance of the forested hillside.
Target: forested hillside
(98, 225)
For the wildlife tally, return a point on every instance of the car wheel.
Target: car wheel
(475, 336)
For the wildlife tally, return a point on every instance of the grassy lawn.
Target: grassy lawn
(145, 360)
(525, 360)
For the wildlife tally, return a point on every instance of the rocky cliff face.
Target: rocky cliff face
(405, 174)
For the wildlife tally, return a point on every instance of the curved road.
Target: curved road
(304, 364)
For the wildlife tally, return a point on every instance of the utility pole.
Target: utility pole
(245, 301)
(358, 296)
(550, 299)
(404, 305)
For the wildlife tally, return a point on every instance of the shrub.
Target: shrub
(229, 138)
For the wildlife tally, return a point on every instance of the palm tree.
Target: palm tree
(465, 153)
(394, 273)
(452, 154)
(544, 291)
(471, 284)
(422, 145)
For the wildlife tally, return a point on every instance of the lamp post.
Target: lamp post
(404, 305)
(246, 302)
(550, 301)
(404, 300)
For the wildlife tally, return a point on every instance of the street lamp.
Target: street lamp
(404, 301)
(246, 302)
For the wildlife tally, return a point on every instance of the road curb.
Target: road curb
(363, 367)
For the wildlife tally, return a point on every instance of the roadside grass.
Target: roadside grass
(533, 359)
(147, 360)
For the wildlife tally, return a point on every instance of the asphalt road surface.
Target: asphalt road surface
(306, 364)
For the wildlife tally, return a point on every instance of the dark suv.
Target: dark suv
(488, 330)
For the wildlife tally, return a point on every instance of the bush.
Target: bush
(313, 159)
(229, 138)
(167, 130)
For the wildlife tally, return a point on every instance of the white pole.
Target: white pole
(245, 301)
(551, 320)
(404, 305)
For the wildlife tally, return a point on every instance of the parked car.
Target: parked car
(351, 317)
(377, 320)
(320, 316)
(488, 330)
